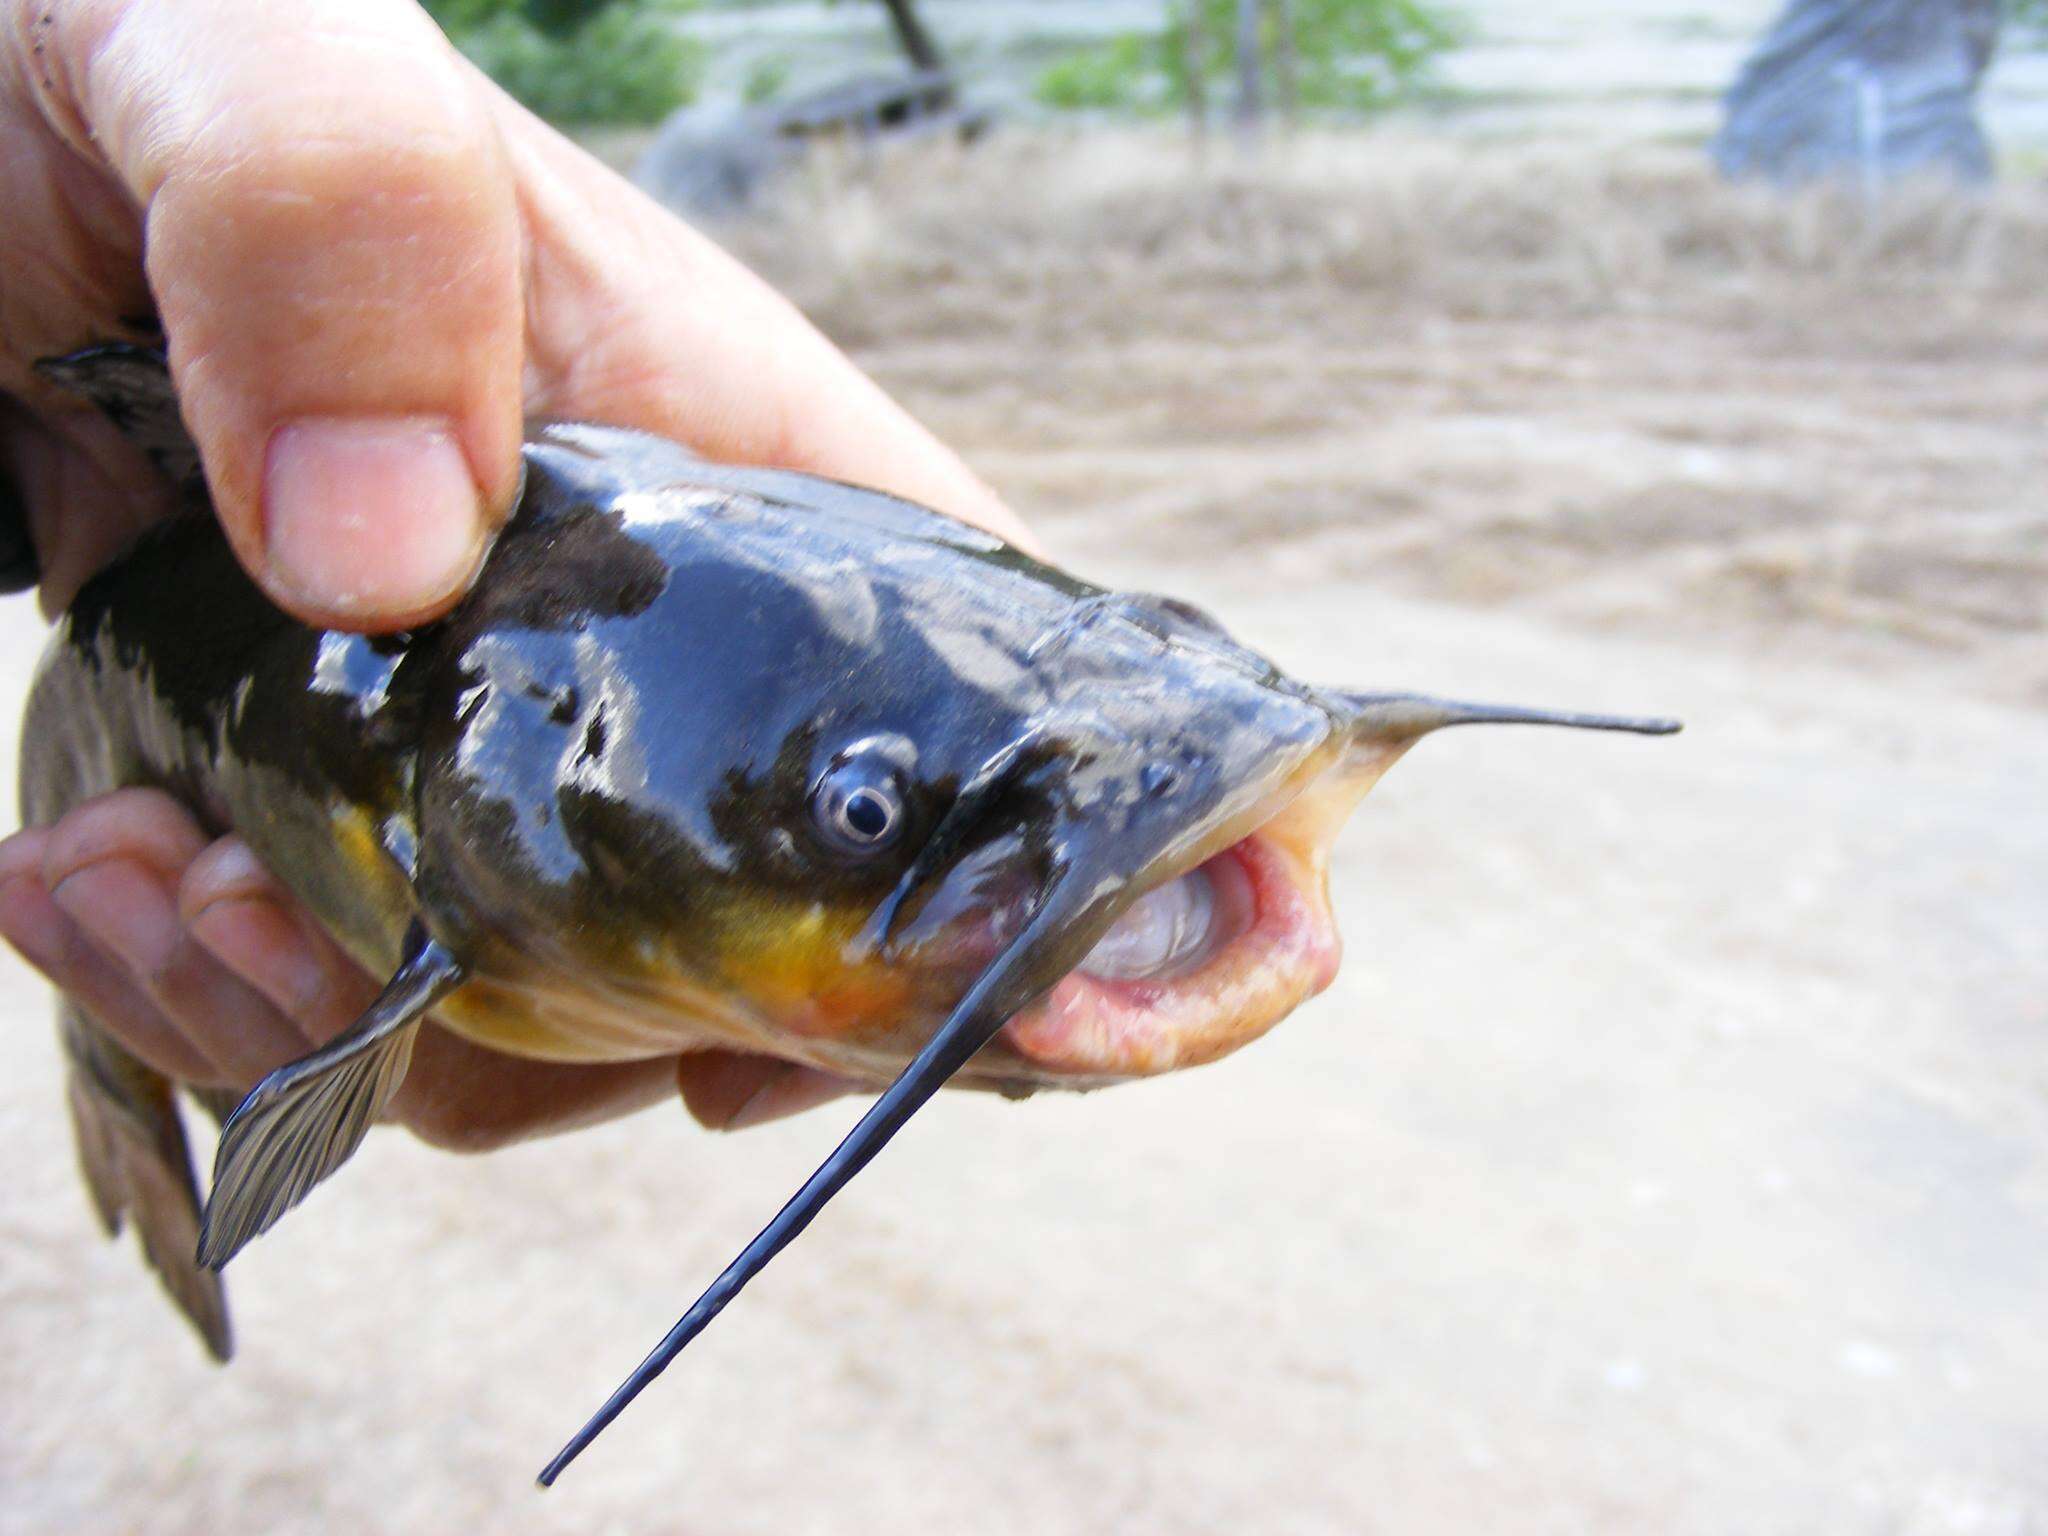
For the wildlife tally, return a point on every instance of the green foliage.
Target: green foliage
(580, 61)
(767, 78)
(1366, 54)
(1112, 76)
(557, 18)
(1350, 55)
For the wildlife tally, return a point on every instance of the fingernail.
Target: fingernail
(33, 925)
(124, 910)
(230, 872)
(370, 518)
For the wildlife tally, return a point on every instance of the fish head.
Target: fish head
(1184, 798)
(1139, 788)
(914, 806)
(1132, 877)
(802, 763)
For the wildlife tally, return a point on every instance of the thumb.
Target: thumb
(333, 244)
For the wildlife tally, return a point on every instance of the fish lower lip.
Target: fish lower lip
(1272, 946)
(1168, 931)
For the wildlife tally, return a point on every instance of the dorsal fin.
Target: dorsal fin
(132, 387)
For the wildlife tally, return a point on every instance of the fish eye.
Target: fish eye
(857, 805)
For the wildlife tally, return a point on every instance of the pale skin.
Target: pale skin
(370, 266)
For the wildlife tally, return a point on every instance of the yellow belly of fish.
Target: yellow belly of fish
(586, 1027)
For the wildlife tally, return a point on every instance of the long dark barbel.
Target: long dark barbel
(1038, 957)
(1393, 716)
(1032, 963)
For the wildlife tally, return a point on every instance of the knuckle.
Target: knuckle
(276, 168)
(226, 870)
(290, 245)
(140, 800)
(22, 854)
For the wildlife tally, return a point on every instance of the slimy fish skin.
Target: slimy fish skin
(709, 756)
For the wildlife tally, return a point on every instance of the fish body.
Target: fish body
(708, 756)
(594, 778)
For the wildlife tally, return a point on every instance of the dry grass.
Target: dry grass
(1470, 230)
(1607, 388)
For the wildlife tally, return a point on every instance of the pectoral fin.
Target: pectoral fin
(305, 1120)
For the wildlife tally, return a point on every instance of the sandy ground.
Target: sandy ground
(1672, 1154)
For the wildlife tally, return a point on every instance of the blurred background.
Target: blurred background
(1672, 1154)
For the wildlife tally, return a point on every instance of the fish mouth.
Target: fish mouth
(1213, 958)
(1200, 965)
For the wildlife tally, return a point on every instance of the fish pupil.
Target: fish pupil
(858, 806)
(867, 814)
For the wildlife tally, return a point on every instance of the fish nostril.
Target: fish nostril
(1184, 615)
(1158, 778)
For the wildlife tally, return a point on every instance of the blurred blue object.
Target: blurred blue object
(1867, 91)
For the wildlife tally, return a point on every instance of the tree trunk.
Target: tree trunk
(1286, 85)
(1195, 64)
(910, 31)
(1250, 70)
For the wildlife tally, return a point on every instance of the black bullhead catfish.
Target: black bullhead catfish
(708, 757)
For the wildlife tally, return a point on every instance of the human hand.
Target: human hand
(369, 266)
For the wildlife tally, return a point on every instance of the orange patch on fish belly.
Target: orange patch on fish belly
(802, 975)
